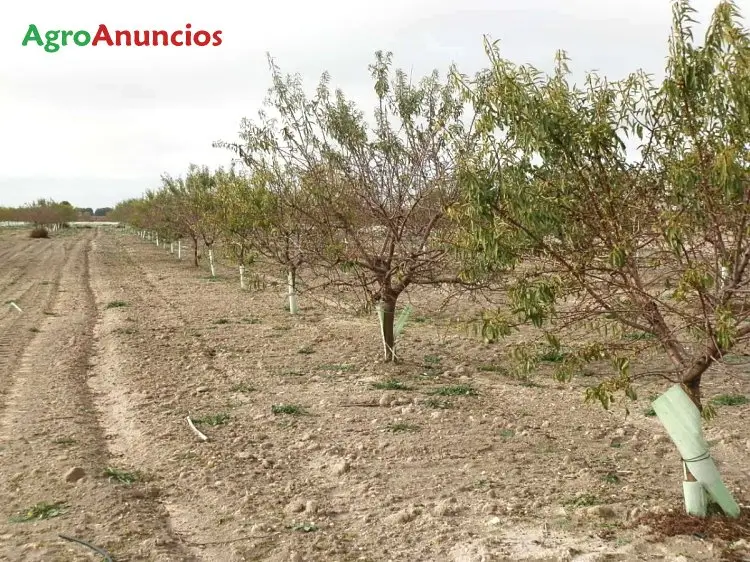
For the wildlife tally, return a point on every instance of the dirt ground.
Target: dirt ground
(313, 452)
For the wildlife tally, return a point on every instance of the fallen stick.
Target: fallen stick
(195, 430)
(99, 551)
(230, 541)
(14, 305)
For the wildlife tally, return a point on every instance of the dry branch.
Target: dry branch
(196, 430)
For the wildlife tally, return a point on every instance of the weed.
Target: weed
(116, 304)
(344, 367)
(40, 511)
(432, 360)
(436, 404)
(730, 400)
(290, 409)
(552, 356)
(122, 476)
(731, 359)
(493, 369)
(39, 232)
(248, 320)
(242, 388)
(402, 427)
(390, 384)
(528, 383)
(638, 336)
(304, 527)
(649, 412)
(584, 500)
(507, 433)
(291, 373)
(64, 441)
(611, 478)
(222, 321)
(457, 390)
(213, 420)
(34, 330)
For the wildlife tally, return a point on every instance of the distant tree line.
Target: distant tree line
(47, 212)
(84, 212)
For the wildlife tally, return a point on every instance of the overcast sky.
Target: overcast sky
(97, 125)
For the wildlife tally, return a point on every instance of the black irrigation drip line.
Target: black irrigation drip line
(96, 549)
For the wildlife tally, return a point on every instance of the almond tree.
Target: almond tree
(187, 206)
(131, 212)
(374, 195)
(240, 215)
(161, 208)
(653, 251)
(45, 212)
(203, 205)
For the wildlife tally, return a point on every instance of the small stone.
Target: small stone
(75, 474)
(311, 507)
(296, 506)
(201, 389)
(341, 468)
(603, 511)
(295, 557)
(386, 399)
(445, 507)
(403, 516)
(489, 508)
(493, 521)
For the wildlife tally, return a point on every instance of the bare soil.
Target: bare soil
(308, 458)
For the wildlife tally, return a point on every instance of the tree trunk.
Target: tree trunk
(388, 306)
(195, 252)
(693, 387)
(292, 290)
(211, 261)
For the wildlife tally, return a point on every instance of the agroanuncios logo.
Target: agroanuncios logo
(54, 39)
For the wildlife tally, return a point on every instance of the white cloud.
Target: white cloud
(83, 119)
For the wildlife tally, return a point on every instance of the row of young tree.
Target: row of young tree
(43, 212)
(618, 205)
